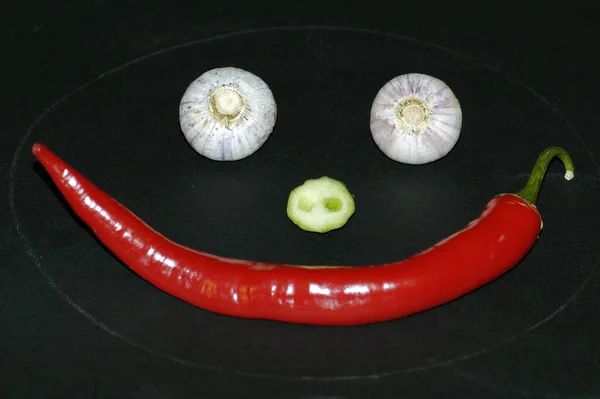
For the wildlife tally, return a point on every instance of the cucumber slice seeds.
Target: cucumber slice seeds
(320, 205)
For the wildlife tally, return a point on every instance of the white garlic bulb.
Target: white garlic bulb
(227, 114)
(415, 119)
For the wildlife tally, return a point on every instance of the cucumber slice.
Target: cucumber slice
(320, 205)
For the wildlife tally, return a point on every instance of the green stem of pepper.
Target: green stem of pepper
(531, 190)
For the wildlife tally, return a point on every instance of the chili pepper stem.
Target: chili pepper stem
(531, 190)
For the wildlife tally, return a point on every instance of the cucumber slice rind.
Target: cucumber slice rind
(320, 205)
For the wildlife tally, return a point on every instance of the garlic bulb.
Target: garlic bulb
(415, 119)
(227, 114)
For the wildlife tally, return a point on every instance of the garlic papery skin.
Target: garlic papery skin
(415, 119)
(227, 114)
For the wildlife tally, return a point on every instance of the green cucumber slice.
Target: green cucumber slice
(320, 205)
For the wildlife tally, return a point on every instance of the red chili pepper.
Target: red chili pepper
(486, 248)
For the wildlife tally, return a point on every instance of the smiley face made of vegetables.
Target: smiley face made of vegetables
(487, 247)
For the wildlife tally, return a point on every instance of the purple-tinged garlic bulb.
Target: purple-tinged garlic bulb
(227, 114)
(415, 119)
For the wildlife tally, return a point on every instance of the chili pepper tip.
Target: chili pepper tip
(37, 147)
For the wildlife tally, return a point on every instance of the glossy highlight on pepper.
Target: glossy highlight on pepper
(483, 250)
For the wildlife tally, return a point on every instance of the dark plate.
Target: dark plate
(77, 320)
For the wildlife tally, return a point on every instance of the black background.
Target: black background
(534, 333)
